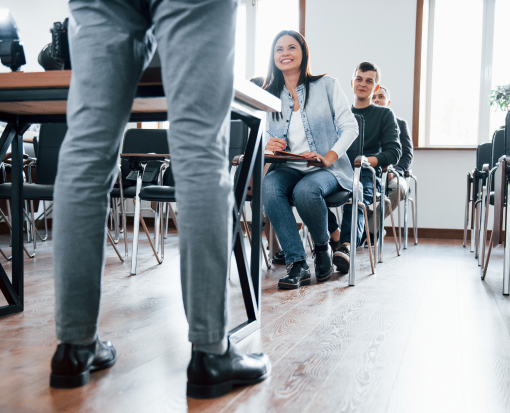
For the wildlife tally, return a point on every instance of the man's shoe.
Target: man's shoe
(211, 375)
(323, 264)
(341, 258)
(72, 363)
(297, 276)
(278, 258)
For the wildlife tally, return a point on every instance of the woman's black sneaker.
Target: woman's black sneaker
(323, 263)
(278, 258)
(297, 276)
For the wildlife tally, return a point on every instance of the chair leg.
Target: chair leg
(398, 213)
(484, 266)
(243, 217)
(157, 226)
(10, 230)
(393, 226)
(45, 222)
(112, 242)
(150, 240)
(484, 229)
(483, 223)
(174, 217)
(415, 209)
(136, 221)
(406, 216)
(506, 265)
(167, 213)
(368, 238)
(466, 209)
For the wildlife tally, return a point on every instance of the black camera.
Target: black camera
(12, 54)
(55, 56)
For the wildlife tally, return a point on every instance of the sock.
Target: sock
(321, 247)
(303, 264)
(85, 342)
(219, 348)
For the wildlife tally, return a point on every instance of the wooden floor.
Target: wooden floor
(424, 334)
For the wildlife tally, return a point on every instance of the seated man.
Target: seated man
(381, 147)
(382, 98)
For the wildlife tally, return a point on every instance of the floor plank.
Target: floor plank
(423, 334)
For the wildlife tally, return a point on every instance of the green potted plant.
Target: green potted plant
(500, 97)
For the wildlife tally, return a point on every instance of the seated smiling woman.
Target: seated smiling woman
(316, 121)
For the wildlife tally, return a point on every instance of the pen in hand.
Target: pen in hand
(275, 143)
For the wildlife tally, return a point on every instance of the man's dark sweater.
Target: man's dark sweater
(407, 148)
(381, 134)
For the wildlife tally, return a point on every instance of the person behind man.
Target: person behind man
(382, 98)
(111, 44)
(381, 147)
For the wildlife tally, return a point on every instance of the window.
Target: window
(258, 21)
(465, 56)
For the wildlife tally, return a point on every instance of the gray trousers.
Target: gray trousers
(112, 41)
(393, 195)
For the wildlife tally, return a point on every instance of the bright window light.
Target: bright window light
(457, 52)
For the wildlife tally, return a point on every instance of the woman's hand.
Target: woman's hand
(325, 161)
(276, 144)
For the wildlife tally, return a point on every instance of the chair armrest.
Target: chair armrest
(237, 160)
(361, 161)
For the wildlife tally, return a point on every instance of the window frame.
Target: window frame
(251, 25)
(424, 45)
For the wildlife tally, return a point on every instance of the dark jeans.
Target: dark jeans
(345, 231)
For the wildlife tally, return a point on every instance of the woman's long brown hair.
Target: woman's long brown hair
(274, 81)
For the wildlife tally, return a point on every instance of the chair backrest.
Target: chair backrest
(51, 136)
(238, 139)
(145, 141)
(483, 155)
(507, 133)
(356, 148)
(498, 147)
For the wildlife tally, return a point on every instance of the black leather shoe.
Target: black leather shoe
(323, 264)
(211, 375)
(72, 363)
(278, 258)
(296, 277)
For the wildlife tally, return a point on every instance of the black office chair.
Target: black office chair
(164, 193)
(50, 140)
(140, 141)
(486, 195)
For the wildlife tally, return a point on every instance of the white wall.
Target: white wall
(343, 33)
(34, 19)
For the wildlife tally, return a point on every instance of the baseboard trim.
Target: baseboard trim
(440, 233)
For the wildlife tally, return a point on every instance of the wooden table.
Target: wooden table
(27, 98)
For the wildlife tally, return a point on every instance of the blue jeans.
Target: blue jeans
(307, 192)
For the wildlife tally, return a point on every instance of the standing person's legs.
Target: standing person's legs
(196, 47)
(109, 48)
(106, 70)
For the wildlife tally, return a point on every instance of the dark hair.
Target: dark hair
(274, 80)
(386, 92)
(367, 66)
(259, 81)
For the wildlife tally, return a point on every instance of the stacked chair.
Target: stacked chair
(495, 193)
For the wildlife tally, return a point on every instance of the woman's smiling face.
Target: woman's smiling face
(288, 54)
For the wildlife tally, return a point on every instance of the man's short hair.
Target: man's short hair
(367, 66)
(386, 92)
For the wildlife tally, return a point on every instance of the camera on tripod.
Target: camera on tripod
(12, 54)
(55, 55)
